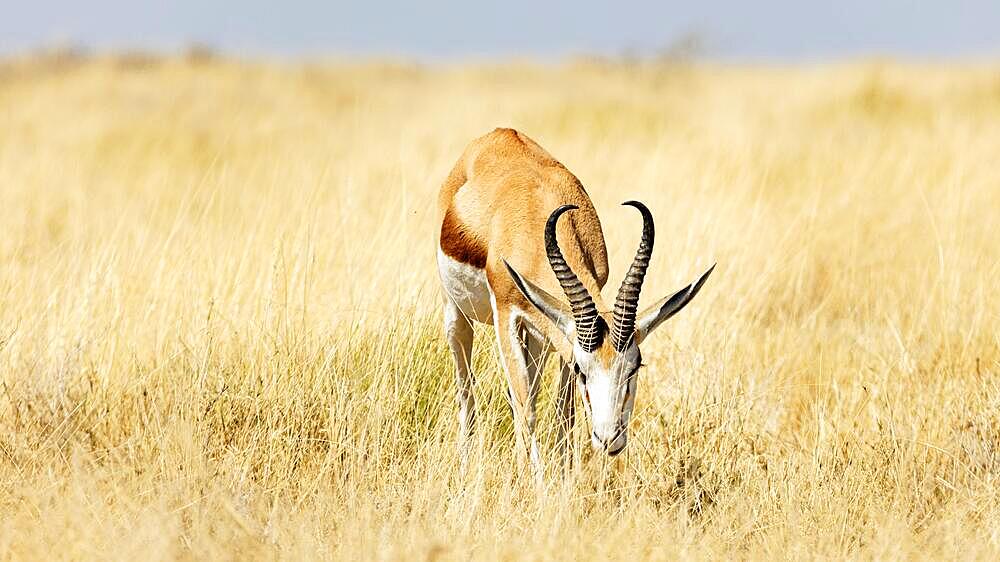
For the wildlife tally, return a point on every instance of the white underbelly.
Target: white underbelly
(467, 287)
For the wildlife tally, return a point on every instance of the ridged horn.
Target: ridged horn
(584, 310)
(627, 302)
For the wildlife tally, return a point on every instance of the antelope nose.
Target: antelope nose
(603, 443)
(612, 445)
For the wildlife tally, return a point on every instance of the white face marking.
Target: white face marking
(467, 287)
(609, 395)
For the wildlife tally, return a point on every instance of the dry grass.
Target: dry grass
(219, 333)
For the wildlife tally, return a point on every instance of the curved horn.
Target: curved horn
(584, 310)
(628, 295)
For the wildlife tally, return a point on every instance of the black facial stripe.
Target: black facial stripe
(621, 430)
(628, 390)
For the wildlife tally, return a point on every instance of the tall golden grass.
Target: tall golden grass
(220, 328)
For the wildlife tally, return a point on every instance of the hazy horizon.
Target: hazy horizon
(779, 30)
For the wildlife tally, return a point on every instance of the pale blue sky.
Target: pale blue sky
(433, 30)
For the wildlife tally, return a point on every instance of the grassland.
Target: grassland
(219, 323)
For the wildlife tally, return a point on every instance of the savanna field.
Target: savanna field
(220, 324)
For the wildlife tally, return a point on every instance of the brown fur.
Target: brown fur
(500, 193)
(460, 244)
(493, 206)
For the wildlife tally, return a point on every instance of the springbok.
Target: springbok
(502, 254)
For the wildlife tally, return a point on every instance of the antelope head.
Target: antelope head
(606, 356)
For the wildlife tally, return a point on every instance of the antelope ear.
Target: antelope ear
(551, 307)
(668, 306)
